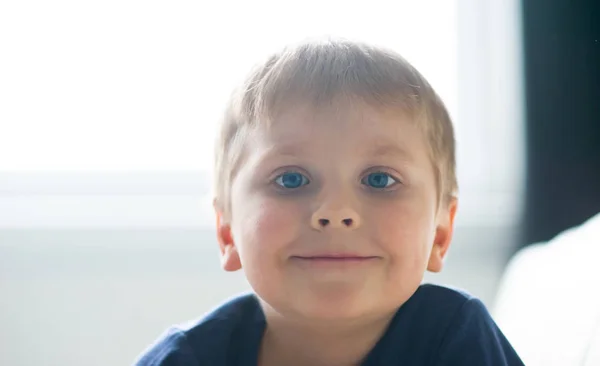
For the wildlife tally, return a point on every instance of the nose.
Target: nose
(329, 218)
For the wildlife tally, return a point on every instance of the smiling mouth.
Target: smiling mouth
(333, 262)
(334, 258)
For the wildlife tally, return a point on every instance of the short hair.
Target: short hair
(319, 71)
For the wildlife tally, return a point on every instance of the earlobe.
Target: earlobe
(443, 237)
(230, 259)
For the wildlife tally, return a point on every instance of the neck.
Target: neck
(298, 342)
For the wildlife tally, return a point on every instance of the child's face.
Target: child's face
(334, 213)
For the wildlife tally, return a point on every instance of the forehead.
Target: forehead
(357, 125)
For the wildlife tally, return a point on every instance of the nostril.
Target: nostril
(347, 222)
(323, 222)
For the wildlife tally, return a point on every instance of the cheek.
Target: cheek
(266, 225)
(405, 231)
(263, 232)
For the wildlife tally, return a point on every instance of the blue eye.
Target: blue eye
(379, 180)
(291, 180)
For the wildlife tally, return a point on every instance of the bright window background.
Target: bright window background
(138, 85)
(109, 100)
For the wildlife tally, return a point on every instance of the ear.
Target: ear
(443, 236)
(230, 259)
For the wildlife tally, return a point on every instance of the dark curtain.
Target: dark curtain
(562, 90)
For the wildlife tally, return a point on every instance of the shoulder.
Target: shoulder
(172, 348)
(454, 296)
(452, 307)
(437, 304)
(206, 341)
(445, 327)
(470, 336)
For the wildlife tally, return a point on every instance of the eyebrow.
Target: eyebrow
(278, 151)
(387, 149)
(375, 150)
(287, 150)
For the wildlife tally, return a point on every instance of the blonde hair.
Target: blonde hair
(319, 72)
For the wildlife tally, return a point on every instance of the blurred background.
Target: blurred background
(108, 110)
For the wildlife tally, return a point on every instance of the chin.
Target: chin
(336, 304)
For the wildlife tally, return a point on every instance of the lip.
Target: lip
(335, 262)
(334, 258)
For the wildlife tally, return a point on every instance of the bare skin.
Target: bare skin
(335, 217)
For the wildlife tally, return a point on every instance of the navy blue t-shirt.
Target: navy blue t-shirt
(436, 326)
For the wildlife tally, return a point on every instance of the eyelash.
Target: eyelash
(396, 180)
(289, 170)
(391, 187)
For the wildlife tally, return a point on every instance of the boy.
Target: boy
(335, 191)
